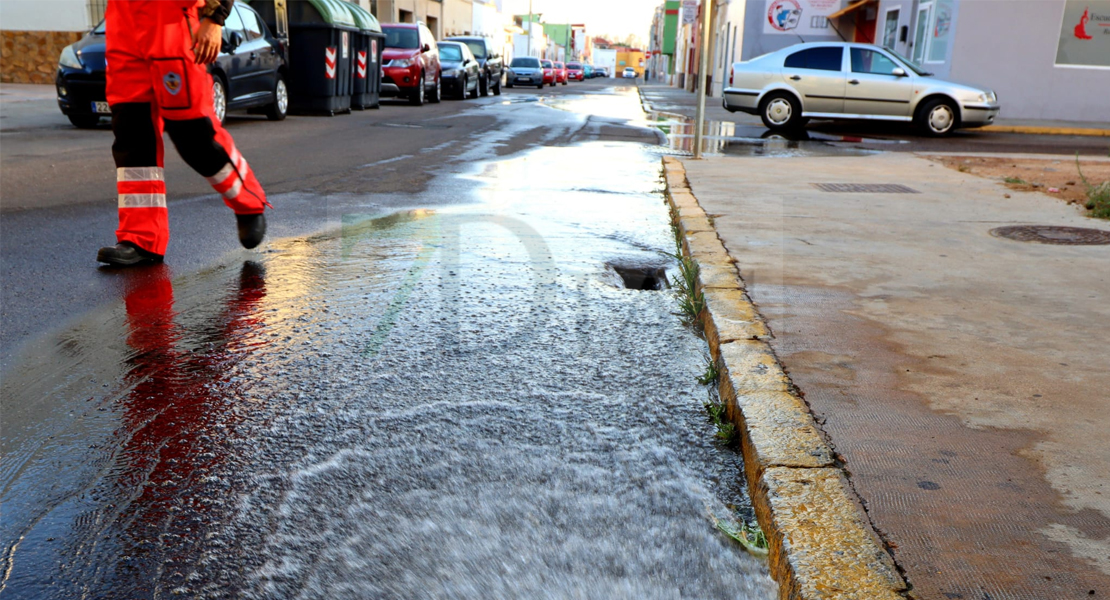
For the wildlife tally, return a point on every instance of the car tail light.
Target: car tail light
(731, 74)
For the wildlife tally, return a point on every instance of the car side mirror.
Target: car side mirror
(898, 72)
(426, 48)
(233, 41)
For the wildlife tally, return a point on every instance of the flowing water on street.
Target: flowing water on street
(453, 402)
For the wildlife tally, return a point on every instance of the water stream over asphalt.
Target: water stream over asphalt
(458, 402)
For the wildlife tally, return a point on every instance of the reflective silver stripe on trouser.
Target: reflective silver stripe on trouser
(140, 174)
(220, 177)
(142, 201)
(238, 164)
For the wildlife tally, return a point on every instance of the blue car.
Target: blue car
(250, 73)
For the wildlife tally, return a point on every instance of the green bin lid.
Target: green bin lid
(337, 12)
(363, 19)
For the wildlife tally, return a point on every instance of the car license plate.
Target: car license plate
(526, 79)
(101, 108)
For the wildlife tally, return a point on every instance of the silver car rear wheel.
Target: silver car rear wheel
(780, 111)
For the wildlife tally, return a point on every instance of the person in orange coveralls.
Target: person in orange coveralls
(157, 52)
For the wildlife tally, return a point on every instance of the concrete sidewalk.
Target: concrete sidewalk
(961, 377)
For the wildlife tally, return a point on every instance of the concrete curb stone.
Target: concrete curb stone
(821, 544)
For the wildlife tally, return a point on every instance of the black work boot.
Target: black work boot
(126, 254)
(252, 228)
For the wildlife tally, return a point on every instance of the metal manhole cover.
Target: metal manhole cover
(1050, 234)
(865, 188)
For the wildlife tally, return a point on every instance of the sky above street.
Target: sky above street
(614, 17)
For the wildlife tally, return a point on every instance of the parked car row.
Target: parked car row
(416, 67)
(249, 73)
(538, 72)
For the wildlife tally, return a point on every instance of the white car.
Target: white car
(840, 80)
(629, 73)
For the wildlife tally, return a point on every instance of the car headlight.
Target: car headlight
(401, 62)
(452, 72)
(69, 59)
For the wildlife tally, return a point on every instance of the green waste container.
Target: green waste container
(366, 80)
(322, 39)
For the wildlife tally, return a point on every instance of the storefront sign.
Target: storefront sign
(1085, 34)
(689, 12)
(800, 17)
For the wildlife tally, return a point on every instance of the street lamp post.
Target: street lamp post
(699, 121)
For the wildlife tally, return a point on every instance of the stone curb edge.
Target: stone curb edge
(822, 546)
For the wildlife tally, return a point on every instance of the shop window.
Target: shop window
(941, 31)
(933, 32)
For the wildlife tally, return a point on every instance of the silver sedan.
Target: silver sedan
(838, 80)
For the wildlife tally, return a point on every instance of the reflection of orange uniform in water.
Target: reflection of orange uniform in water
(172, 442)
(1081, 28)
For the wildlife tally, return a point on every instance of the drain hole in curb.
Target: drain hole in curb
(642, 278)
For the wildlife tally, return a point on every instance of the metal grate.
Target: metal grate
(1049, 234)
(865, 188)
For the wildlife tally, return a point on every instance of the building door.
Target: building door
(921, 32)
(890, 28)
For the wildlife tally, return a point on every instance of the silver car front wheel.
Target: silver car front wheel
(938, 118)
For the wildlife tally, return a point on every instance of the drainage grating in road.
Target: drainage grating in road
(642, 278)
(1051, 234)
(865, 188)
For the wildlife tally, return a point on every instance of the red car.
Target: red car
(575, 72)
(561, 73)
(410, 63)
(548, 72)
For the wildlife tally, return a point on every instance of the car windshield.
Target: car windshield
(404, 38)
(525, 63)
(547, 64)
(909, 63)
(450, 52)
(478, 49)
(99, 28)
(574, 66)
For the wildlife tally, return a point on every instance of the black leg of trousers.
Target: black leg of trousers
(136, 143)
(195, 140)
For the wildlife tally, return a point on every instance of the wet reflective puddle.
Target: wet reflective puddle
(720, 137)
(449, 402)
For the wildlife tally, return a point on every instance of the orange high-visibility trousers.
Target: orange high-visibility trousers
(154, 83)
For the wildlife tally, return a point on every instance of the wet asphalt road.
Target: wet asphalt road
(429, 383)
